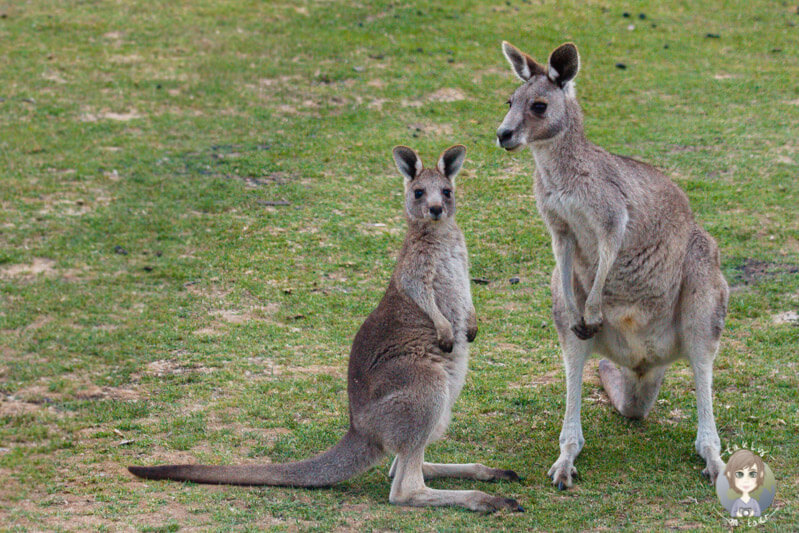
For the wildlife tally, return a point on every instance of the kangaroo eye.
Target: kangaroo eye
(447, 192)
(418, 193)
(538, 107)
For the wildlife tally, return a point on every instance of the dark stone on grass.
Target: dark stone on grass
(148, 268)
(513, 280)
(665, 47)
(621, 66)
(625, 15)
(642, 16)
(481, 281)
(119, 250)
(713, 36)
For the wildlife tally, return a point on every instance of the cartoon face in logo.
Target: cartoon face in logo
(747, 487)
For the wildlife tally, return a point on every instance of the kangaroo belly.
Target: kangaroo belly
(637, 340)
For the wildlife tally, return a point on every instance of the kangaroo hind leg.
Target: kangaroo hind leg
(476, 471)
(425, 405)
(408, 488)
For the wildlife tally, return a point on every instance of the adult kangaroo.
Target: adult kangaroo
(637, 280)
(407, 364)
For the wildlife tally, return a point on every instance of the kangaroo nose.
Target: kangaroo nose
(504, 135)
(436, 210)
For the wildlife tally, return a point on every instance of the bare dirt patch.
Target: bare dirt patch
(591, 372)
(754, 270)
(40, 396)
(223, 317)
(93, 392)
(40, 265)
(788, 317)
(550, 378)
(431, 129)
(16, 407)
(478, 75)
(447, 94)
(127, 116)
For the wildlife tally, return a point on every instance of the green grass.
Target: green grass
(221, 334)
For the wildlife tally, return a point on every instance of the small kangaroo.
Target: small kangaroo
(407, 364)
(636, 278)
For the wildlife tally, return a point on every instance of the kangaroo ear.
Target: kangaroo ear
(451, 161)
(564, 62)
(523, 65)
(408, 162)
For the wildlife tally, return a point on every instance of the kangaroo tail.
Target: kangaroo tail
(351, 456)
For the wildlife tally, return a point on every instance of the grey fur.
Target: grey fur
(637, 279)
(407, 364)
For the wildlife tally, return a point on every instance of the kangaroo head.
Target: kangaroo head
(429, 192)
(539, 108)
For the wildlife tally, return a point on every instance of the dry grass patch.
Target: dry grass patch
(173, 367)
(272, 369)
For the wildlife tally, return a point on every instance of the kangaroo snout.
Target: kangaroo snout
(435, 211)
(503, 136)
(505, 139)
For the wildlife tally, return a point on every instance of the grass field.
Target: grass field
(199, 208)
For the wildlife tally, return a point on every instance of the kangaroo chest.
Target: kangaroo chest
(565, 215)
(451, 288)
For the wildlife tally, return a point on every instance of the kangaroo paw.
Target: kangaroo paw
(586, 331)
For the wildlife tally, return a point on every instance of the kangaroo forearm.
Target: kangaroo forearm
(564, 256)
(608, 251)
(424, 298)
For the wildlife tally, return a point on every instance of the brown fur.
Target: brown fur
(407, 364)
(637, 279)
